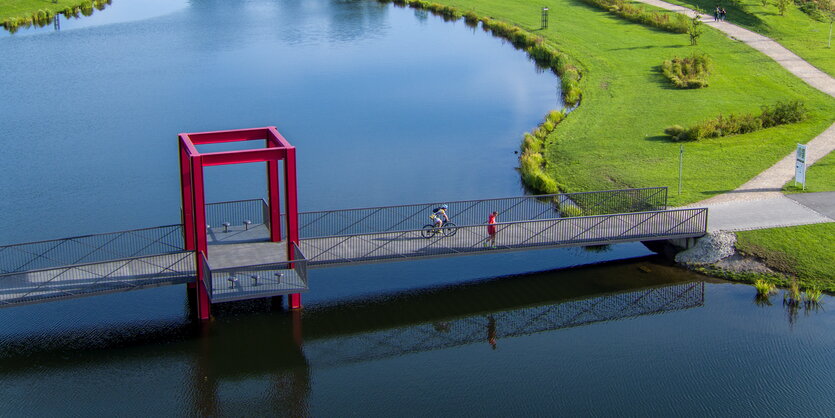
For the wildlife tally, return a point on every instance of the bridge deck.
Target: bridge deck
(243, 266)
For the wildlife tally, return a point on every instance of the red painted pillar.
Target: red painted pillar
(203, 303)
(188, 203)
(290, 187)
(274, 201)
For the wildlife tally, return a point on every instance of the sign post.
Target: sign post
(680, 166)
(800, 166)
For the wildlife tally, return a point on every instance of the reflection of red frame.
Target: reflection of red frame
(193, 193)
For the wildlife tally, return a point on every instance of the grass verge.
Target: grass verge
(804, 252)
(820, 177)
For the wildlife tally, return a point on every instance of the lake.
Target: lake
(386, 106)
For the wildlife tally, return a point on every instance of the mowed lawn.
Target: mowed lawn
(820, 177)
(796, 30)
(805, 252)
(615, 138)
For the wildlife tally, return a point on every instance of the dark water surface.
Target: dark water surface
(386, 106)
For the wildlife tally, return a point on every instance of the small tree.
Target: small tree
(695, 29)
(783, 5)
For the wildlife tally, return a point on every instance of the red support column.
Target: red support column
(188, 203)
(203, 303)
(274, 201)
(295, 299)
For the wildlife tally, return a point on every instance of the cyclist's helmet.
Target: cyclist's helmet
(444, 207)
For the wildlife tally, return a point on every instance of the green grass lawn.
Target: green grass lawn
(805, 252)
(19, 8)
(820, 177)
(615, 138)
(796, 31)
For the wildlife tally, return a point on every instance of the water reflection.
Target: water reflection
(442, 328)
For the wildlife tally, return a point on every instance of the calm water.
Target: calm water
(386, 106)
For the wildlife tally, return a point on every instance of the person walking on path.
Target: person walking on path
(491, 230)
(722, 14)
(716, 14)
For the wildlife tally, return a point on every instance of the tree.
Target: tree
(695, 29)
(783, 5)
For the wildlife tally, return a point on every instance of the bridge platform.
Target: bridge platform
(243, 264)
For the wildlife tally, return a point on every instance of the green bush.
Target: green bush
(783, 113)
(779, 114)
(689, 72)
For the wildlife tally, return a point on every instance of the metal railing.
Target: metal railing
(258, 281)
(91, 248)
(559, 232)
(475, 212)
(237, 212)
(96, 278)
(492, 327)
(207, 273)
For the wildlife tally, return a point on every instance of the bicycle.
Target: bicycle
(447, 228)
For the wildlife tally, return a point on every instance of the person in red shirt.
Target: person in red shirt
(491, 230)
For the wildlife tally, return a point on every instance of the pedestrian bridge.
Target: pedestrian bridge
(243, 264)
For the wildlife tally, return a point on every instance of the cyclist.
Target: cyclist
(439, 215)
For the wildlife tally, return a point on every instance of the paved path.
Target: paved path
(759, 203)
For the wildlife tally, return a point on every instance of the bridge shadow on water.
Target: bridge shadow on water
(258, 339)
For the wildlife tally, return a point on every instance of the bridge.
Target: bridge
(251, 249)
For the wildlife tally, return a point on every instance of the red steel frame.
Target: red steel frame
(192, 163)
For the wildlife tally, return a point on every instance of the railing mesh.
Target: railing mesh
(91, 248)
(258, 281)
(475, 212)
(571, 231)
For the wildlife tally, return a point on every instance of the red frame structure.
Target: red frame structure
(192, 163)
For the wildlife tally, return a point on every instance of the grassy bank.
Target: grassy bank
(615, 138)
(23, 13)
(820, 177)
(796, 30)
(804, 252)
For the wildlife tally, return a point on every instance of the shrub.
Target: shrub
(689, 72)
(675, 132)
(783, 113)
(779, 114)
(548, 126)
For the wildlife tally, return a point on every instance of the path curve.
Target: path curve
(769, 183)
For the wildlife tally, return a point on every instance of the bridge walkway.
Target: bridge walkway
(243, 265)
